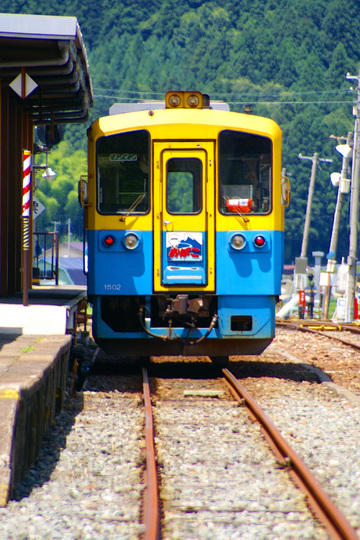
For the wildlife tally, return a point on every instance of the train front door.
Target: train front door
(184, 216)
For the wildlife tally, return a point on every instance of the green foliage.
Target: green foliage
(288, 58)
(60, 196)
(180, 192)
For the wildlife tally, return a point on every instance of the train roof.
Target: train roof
(211, 119)
(121, 108)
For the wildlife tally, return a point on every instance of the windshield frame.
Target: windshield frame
(113, 183)
(261, 159)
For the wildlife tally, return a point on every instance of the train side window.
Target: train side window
(122, 164)
(184, 186)
(245, 172)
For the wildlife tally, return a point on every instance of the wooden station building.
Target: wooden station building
(44, 80)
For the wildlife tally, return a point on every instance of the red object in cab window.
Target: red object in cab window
(239, 205)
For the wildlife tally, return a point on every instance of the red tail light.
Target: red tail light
(109, 240)
(259, 241)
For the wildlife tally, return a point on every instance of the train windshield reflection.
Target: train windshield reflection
(122, 164)
(245, 173)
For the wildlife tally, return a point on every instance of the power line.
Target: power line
(266, 98)
(217, 94)
(130, 91)
(288, 102)
(245, 102)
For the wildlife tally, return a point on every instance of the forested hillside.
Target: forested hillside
(287, 58)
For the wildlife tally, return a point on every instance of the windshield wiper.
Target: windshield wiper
(133, 206)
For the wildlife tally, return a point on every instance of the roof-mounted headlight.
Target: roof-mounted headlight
(179, 99)
(174, 100)
(193, 101)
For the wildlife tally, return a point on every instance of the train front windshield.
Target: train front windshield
(245, 172)
(122, 164)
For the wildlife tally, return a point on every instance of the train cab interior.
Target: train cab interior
(245, 172)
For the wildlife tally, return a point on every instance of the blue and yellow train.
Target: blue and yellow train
(184, 221)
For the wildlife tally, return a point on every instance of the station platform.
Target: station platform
(50, 311)
(35, 343)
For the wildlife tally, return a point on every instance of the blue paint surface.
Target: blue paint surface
(247, 280)
(117, 270)
(251, 270)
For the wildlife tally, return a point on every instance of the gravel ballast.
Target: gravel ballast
(218, 474)
(219, 479)
(87, 483)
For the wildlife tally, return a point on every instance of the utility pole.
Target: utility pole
(342, 181)
(354, 209)
(315, 159)
(345, 150)
(55, 223)
(69, 236)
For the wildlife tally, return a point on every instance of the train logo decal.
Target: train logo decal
(184, 246)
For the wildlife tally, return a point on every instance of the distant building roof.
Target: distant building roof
(74, 267)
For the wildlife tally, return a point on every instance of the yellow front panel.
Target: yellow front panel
(177, 125)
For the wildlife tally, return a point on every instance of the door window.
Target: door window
(184, 186)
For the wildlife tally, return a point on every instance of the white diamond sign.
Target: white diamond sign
(38, 208)
(23, 85)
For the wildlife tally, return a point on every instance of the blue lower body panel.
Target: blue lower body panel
(250, 271)
(240, 315)
(117, 270)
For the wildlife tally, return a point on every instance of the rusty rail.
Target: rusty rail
(322, 330)
(331, 517)
(151, 492)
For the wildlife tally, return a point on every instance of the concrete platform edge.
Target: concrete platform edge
(32, 392)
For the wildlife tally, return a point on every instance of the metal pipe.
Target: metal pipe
(163, 337)
(212, 324)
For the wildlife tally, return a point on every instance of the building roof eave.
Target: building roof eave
(51, 51)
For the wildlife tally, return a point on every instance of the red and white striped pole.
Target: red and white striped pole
(26, 211)
(26, 190)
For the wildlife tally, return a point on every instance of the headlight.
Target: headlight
(237, 241)
(131, 241)
(174, 100)
(193, 101)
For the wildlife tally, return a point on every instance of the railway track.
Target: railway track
(331, 517)
(151, 489)
(215, 476)
(325, 510)
(348, 334)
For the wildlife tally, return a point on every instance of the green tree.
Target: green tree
(288, 58)
(60, 194)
